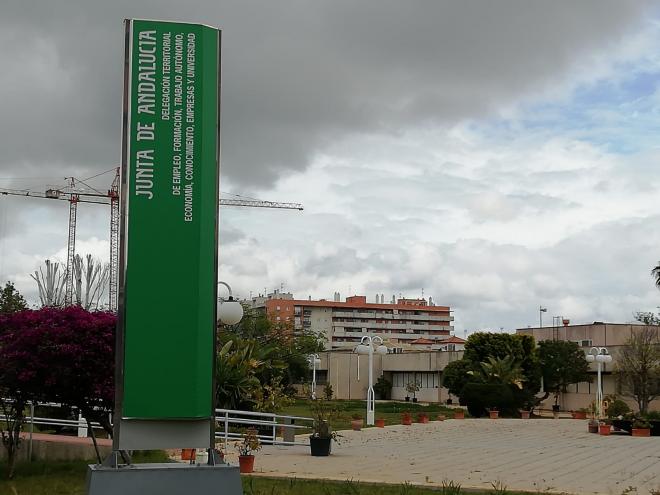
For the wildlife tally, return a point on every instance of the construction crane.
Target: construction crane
(74, 195)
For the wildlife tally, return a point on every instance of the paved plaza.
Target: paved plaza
(535, 455)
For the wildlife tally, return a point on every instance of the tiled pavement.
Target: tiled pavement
(535, 455)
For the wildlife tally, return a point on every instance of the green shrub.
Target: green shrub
(652, 415)
(617, 408)
(479, 397)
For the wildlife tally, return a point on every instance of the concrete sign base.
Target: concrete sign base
(163, 479)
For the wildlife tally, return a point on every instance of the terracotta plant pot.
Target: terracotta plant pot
(246, 463)
(441, 417)
(459, 414)
(406, 420)
(579, 415)
(356, 424)
(604, 429)
(494, 414)
(380, 423)
(524, 414)
(188, 454)
(422, 418)
(641, 432)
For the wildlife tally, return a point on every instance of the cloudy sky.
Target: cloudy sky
(496, 155)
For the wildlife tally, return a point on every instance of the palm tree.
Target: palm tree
(656, 274)
(506, 371)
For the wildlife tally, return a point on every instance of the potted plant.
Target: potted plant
(494, 413)
(641, 428)
(188, 454)
(412, 388)
(459, 413)
(441, 417)
(524, 413)
(579, 414)
(320, 440)
(406, 418)
(246, 448)
(356, 422)
(380, 423)
(604, 427)
(592, 426)
(422, 417)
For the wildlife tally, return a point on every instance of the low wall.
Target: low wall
(59, 448)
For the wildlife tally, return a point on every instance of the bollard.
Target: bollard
(289, 434)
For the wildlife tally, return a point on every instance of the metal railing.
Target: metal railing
(233, 421)
(229, 425)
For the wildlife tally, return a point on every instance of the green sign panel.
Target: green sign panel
(170, 223)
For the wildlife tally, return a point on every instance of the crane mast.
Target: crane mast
(113, 194)
(112, 198)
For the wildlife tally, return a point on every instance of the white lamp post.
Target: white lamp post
(366, 346)
(230, 312)
(600, 355)
(314, 360)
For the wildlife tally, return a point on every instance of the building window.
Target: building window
(277, 308)
(425, 379)
(321, 377)
(278, 318)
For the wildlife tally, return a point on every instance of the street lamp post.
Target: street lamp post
(230, 311)
(314, 360)
(600, 355)
(366, 346)
(541, 311)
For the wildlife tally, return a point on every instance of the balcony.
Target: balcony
(389, 316)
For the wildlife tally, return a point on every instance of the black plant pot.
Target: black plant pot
(407, 399)
(320, 447)
(414, 399)
(555, 408)
(449, 402)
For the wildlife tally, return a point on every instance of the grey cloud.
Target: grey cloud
(297, 75)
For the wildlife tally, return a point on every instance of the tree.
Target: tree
(90, 281)
(638, 367)
(655, 273)
(284, 353)
(63, 355)
(456, 375)
(236, 370)
(51, 284)
(11, 300)
(647, 317)
(501, 371)
(522, 348)
(562, 364)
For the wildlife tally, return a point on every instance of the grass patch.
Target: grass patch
(258, 485)
(390, 411)
(68, 478)
(58, 477)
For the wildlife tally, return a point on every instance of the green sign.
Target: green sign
(170, 223)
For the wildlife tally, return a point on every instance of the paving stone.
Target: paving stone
(534, 455)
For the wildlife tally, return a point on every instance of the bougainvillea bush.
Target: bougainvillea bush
(61, 355)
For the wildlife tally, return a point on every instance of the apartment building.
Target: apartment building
(406, 323)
